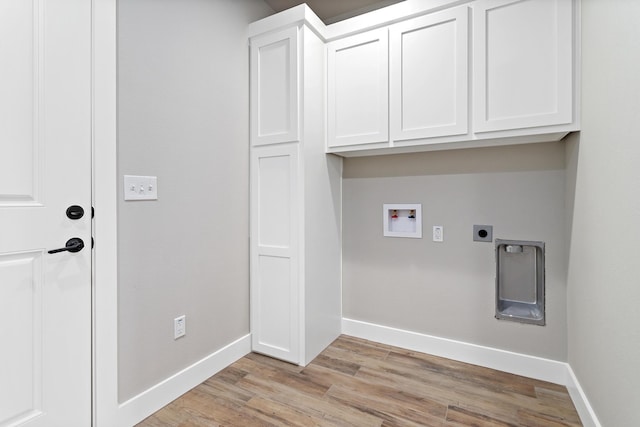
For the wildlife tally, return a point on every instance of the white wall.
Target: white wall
(448, 289)
(183, 116)
(604, 272)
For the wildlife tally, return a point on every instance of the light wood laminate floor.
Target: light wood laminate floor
(360, 383)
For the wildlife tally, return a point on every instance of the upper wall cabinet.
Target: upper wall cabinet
(274, 87)
(488, 72)
(358, 89)
(522, 62)
(429, 74)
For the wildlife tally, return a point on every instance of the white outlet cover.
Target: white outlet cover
(179, 326)
(140, 187)
(438, 233)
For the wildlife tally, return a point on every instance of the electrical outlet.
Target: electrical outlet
(179, 327)
(438, 233)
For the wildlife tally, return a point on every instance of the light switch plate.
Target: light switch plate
(140, 187)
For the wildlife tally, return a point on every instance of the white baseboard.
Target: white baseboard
(502, 360)
(580, 401)
(507, 361)
(146, 403)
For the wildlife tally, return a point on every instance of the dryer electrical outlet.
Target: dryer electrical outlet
(483, 233)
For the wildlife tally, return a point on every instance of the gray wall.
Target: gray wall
(183, 116)
(604, 272)
(448, 289)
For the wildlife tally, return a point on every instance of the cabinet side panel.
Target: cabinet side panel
(322, 212)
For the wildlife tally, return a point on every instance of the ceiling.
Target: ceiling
(331, 11)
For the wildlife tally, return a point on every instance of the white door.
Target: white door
(45, 167)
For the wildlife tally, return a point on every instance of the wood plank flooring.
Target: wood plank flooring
(360, 383)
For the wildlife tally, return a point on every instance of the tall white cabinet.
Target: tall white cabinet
(295, 199)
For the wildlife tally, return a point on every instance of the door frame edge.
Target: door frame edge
(105, 406)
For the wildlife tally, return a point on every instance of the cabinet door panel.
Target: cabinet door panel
(275, 285)
(273, 332)
(522, 64)
(429, 75)
(358, 89)
(274, 87)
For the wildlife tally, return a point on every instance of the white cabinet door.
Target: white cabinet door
(429, 75)
(275, 285)
(522, 63)
(274, 87)
(358, 80)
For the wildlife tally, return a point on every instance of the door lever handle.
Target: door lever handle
(74, 244)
